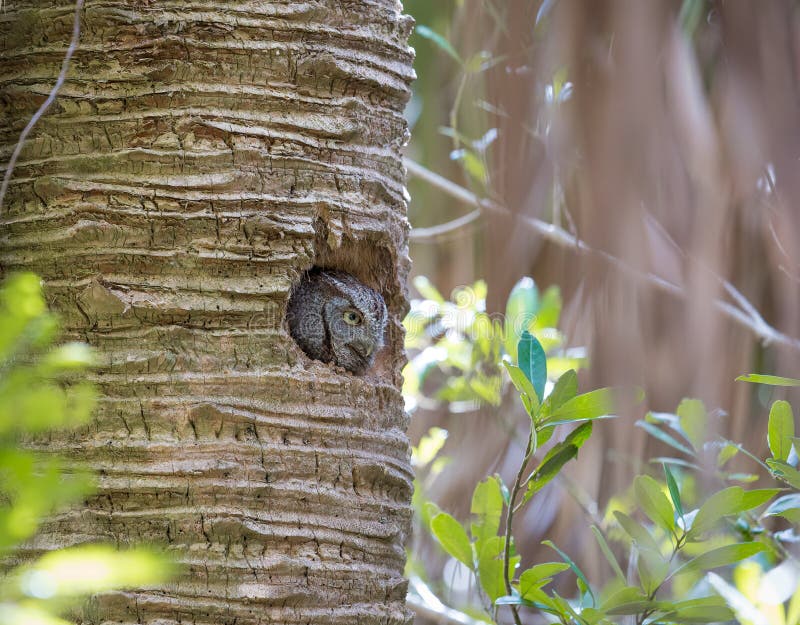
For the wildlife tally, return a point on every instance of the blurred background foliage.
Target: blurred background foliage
(43, 389)
(640, 157)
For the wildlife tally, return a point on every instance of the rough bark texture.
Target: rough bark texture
(199, 158)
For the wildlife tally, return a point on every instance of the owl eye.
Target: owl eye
(352, 317)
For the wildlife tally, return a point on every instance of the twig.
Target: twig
(530, 449)
(76, 33)
(760, 328)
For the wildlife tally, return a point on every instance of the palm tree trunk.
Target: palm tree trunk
(199, 158)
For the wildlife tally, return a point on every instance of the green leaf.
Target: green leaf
(490, 568)
(772, 380)
(524, 387)
(549, 310)
(612, 561)
(533, 362)
(641, 536)
(731, 500)
(426, 288)
(674, 492)
(591, 405)
(653, 502)
(785, 471)
(521, 309)
(626, 601)
(437, 39)
(580, 434)
(452, 538)
(725, 454)
(90, 569)
(658, 433)
(565, 389)
(694, 421)
(429, 446)
(487, 507)
(781, 430)
(652, 568)
(721, 556)
(579, 574)
(701, 610)
(787, 506)
(551, 464)
(537, 576)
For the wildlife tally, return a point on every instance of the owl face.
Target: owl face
(336, 318)
(356, 327)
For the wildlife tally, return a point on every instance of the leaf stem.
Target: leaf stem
(530, 449)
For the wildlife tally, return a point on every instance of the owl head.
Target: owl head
(336, 318)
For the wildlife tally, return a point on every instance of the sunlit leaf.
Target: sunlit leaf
(429, 446)
(725, 454)
(523, 386)
(565, 389)
(780, 430)
(700, 610)
(653, 502)
(638, 533)
(674, 492)
(731, 500)
(86, 570)
(626, 600)
(721, 556)
(652, 569)
(785, 471)
(425, 286)
(452, 537)
(694, 421)
(552, 463)
(771, 380)
(486, 508)
(593, 405)
(521, 308)
(549, 311)
(532, 580)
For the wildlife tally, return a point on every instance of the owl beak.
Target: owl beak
(362, 348)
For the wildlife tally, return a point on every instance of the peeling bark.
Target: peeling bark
(199, 158)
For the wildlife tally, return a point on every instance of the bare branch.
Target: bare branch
(73, 44)
(744, 314)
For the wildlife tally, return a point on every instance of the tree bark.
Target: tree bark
(198, 159)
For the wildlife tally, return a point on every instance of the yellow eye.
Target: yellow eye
(352, 317)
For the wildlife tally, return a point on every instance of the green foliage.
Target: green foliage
(41, 391)
(674, 541)
(457, 348)
(488, 548)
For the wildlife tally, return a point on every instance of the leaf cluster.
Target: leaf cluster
(676, 545)
(457, 348)
(41, 390)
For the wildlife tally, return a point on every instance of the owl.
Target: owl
(335, 318)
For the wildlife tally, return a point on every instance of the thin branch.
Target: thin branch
(73, 44)
(530, 450)
(743, 316)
